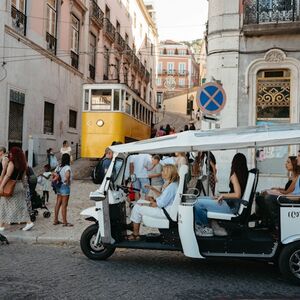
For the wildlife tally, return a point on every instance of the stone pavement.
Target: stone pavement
(45, 232)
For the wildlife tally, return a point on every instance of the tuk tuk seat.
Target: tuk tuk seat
(245, 207)
(164, 223)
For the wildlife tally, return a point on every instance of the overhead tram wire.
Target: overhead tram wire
(122, 26)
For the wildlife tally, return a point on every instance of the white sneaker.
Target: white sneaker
(28, 226)
(204, 231)
(218, 230)
(2, 228)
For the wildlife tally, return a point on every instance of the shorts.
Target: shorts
(64, 190)
(140, 184)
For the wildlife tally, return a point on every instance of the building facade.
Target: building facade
(253, 49)
(50, 48)
(177, 69)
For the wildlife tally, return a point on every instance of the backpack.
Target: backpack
(56, 182)
(98, 172)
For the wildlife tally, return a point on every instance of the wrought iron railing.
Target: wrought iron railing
(109, 29)
(270, 11)
(51, 43)
(119, 41)
(92, 70)
(136, 62)
(18, 20)
(128, 53)
(96, 12)
(142, 70)
(74, 59)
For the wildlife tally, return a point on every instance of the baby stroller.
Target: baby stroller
(35, 200)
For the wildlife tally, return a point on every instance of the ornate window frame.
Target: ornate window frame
(273, 59)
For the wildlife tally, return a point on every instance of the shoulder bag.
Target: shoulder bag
(9, 187)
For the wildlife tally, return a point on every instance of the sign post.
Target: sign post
(211, 99)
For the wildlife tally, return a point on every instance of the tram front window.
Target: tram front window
(101, 100)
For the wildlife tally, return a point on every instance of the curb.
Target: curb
(45, 240)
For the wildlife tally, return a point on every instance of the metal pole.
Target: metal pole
(30, 151)
(208, 171)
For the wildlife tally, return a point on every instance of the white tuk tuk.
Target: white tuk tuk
(177, 231)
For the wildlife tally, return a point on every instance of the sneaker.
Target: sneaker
(28, 226)
(218, 230)
(2, 228)
(204, 231)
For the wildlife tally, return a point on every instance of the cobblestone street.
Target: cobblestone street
(45, 272)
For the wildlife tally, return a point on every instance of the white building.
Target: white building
(49, 48)
(253, 49)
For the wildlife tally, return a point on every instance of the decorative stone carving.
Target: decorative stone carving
(275, 55)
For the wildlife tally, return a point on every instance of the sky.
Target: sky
(181, 20)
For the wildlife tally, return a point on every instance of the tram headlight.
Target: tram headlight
(100, 123)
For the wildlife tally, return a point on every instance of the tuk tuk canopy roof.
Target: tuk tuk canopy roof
(216, 139)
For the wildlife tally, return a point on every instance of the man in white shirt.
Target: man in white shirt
(138, 168)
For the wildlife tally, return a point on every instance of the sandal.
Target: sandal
(57, 223)
(133, 237)
(67, 225)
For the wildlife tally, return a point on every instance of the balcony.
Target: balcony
(135, 62)
(92, 71)
(74, 59)
(147, 76)
(119, 42)
(182, 73)
(128, 53)
(18, 20)
(142, 70)
(51, 43)
(271, 17)
(96, 14)
(109, 30)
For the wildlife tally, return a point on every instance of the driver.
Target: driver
(153, 207)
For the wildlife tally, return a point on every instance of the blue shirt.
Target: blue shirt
(167, 196)
(297, 187)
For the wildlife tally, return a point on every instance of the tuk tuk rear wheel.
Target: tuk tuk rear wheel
(289, 262)
(90, 249)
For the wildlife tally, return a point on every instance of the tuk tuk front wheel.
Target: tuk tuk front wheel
(90, 249)
(289, 262)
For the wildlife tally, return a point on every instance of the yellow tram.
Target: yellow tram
(112, 112)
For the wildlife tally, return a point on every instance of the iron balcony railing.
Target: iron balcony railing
(136, 62)
(51, 43)
(142, 70)
(119, 41)
(96, 13)
(109, 29)
(270, 11)
(18, 20)
(74, 59)
(92, 72)
(128, 53)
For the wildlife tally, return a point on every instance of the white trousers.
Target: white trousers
(139, 211)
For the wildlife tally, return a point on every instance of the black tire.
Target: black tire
(289, 262)
(92, 251)
(46, 214)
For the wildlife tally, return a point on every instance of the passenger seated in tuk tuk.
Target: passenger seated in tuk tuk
(224, 203)
(267, 204)
(154, 207)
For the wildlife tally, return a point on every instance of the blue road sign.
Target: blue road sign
(211, 98)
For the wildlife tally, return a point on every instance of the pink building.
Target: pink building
(49, 48)
(177, 69)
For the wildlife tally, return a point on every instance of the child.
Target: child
(45, 182)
